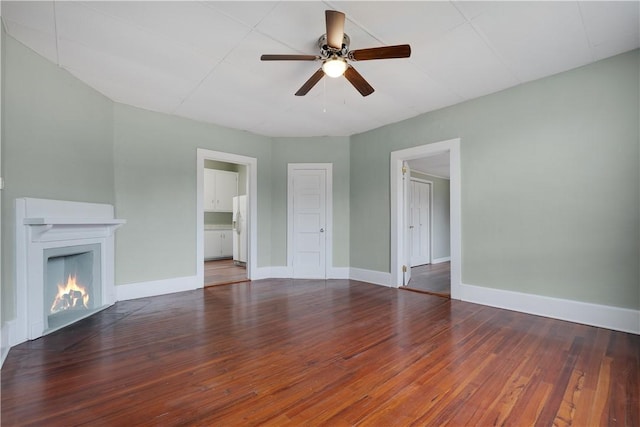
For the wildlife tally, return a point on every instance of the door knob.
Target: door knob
(322, 230)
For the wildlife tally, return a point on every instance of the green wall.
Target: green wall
(550, 197)
(311, 150)
(441, 233)
(155, 177)
(56, 143)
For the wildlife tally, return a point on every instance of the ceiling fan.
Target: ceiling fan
(334, 53)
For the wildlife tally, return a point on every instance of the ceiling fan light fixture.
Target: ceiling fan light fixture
(334, 67)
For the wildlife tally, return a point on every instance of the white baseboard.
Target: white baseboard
(284, 272)
(603, 316)
(338, 273)
(156, 287)
(260, 273)
(371, 276)
(6, 340)
(440, 260)
(273, 272)
(281, 272)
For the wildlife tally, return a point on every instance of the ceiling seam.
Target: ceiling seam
(586, 34)
(195, 88)
(232, 17)
(487, 43)
(55, 32)
(151, 32)
(192, 48)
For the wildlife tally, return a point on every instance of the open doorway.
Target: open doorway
(226, 223)
(401, 251)
(225, 232)
(429, 225)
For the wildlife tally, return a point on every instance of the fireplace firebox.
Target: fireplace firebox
(72, 284)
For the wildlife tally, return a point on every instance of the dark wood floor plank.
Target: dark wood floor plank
(309, 352)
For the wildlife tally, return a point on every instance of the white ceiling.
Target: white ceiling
(201, 59)
(436, 165)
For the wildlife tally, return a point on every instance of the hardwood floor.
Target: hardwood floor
(311, 352)
(432, 279)
(223, 272)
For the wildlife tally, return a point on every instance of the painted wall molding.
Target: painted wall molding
(371, 276)
(338, 273)
(156, 287)
(603, 316)
(6, 339)
(441, 260)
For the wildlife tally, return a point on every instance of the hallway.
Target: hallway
(434, 279)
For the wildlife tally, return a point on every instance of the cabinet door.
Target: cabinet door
(226, 190)
(227, 243)
(209, 198)
(212, 244)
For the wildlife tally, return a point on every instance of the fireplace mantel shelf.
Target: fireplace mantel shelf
(73, 221)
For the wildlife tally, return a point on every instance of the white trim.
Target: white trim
(451, 146)
(273, 272)
(370, 276)
(441, 260)
(328, 168)
(602, 316)
(430, 174)
(261, 273)
(338, 273)
(6, 339)
(281, 272)
(252, 196)
(156, 287)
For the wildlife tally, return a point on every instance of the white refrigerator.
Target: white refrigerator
(239, 224)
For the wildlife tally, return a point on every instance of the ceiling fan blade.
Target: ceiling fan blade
(358, 81)
(306, 87)
(289, 57)
(384, 52)
(335, 28)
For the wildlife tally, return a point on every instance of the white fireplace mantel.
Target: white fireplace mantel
(42, 224)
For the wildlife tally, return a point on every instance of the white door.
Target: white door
(420, 210)
(406, 218)
(308, 187)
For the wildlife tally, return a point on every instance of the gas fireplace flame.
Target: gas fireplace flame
(71, 296)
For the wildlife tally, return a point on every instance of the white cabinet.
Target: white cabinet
(218, 244)
(220, 187)
(227, 243)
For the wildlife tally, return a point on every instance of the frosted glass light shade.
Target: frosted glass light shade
(334, 67)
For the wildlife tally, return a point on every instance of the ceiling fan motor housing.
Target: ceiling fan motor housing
(327, 52)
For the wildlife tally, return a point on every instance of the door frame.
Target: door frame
(430, 184)
(328, 168)
(451, 146)
(251, 164)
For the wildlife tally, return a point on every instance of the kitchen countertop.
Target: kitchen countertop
(217, 227)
